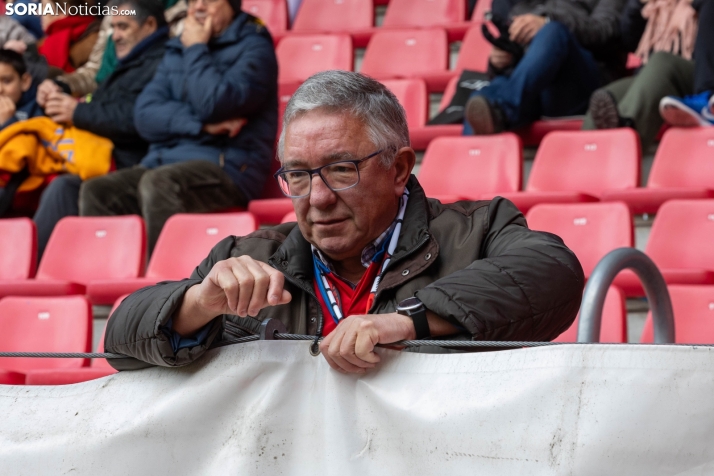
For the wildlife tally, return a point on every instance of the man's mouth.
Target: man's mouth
(333, 221)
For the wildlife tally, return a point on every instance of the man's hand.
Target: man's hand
(241, 286)
(230, 126)
(15, 45)
(44, 90)
(60, 107)
(194, 33)
(499, 58)
(525, 27)
(350, 347)
(7, 109)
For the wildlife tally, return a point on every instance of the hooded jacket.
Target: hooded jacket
(234, 75)
(475, 264)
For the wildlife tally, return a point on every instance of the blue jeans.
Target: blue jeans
(554, 78)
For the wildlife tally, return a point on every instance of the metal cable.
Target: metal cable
(64, 355)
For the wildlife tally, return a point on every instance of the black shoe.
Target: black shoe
(603, 108)
(484, 117)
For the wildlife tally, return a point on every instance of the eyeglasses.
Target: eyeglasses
(337, 176)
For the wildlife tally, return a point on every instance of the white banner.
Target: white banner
(269, 408)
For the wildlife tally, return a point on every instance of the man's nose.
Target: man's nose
(321, 196)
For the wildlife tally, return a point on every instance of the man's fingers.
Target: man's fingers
(334, 353)
(364, 346)
(227, 281)
(347, 346)
(246, 282)
(276, 293)
(261, 281)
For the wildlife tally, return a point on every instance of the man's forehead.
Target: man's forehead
(122, 19)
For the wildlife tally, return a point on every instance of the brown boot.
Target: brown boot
(484, 117)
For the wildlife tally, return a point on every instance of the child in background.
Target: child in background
(17, 90)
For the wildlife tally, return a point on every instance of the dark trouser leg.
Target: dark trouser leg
(60, 199)
(196, 186)
(113, 194)
(555, 78)
(704, 48)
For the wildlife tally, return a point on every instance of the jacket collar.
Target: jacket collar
(156, 38)
(294, 257)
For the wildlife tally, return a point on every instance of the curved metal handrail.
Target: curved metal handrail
(599, 282)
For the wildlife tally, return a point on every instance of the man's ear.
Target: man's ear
(151, 24)
(25, 82)
(403, 165)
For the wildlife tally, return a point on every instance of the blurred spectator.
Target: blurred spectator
(571, 48)
(109, 112)
(12, 31)
(31, 23)
(634, 101)
(17, 90)
(210, 115)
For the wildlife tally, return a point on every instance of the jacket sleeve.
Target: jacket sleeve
(632, 24)
(136, 329)
(598, 28)
(111, 119)
(159, 117)
(527, 286)
(237, 92)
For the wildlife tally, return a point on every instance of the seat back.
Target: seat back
(83, 249)
(102, 363)
(334, 16)
(614, 320)
(586, 161)
(472, 166)
(405, 53)
(301, 56)
(682, 235)
(186, 240)
(693, 308)
(590, 230)
(413, 96)
(474, 52)
(422, 13)
(482, 6)
(289, 217)
(684, 158)
(44, 324)
(274, 13)
(18, 248)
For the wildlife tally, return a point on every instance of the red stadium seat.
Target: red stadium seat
(572, 167)
(84, 249)
(393, 54)
(613, 327)
(534, 134)
(44, 324)
(301, 56)
(289, 217)
(680, 244)
(269, 211)
(18, 248)
(422, 136)
(682, 168)
(274, 14)
(591, 230)
(412, 95)
(467, 167)
(474, 53)
(693, 315)
(184, 242)
(354, 17)
(97, 368)
(479, 13)
(449, 14)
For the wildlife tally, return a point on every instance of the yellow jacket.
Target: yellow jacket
(46, 148)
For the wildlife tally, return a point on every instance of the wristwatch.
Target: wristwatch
(415, 309)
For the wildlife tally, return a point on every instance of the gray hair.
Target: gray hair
(363, 97)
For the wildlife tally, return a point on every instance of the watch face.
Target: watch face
(409, 303)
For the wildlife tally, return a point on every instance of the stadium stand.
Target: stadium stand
(274, 14)
(693, 312)
(83, 249)
(393, 54)
(289, 217)
(590, 230)
(301, 56)
(97, 368)
(449, 14)
(614, 320)
(579, 166)
(354, 17)
(184, 242)
(680, 244)
(682, 169)
(458, 168)
(413, 96)
(44, 324)
(18, 249)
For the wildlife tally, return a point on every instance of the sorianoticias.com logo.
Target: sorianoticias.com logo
(48, 8)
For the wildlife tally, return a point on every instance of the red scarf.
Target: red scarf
(60, 36)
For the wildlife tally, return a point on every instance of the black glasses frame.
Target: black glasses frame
(318, 171)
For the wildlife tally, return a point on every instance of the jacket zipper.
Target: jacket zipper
(309, 291)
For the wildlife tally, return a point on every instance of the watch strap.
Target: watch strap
(421, 323)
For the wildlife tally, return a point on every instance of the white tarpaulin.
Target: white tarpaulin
(269, 408)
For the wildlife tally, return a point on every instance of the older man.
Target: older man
(210, 115)
(370, 261)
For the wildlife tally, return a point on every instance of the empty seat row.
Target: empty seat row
(104, 257)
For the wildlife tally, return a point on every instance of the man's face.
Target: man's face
(12, 85)
(340, 223)
(220, 11)
(128, 33)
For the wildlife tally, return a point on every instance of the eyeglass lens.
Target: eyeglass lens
(337, 176)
